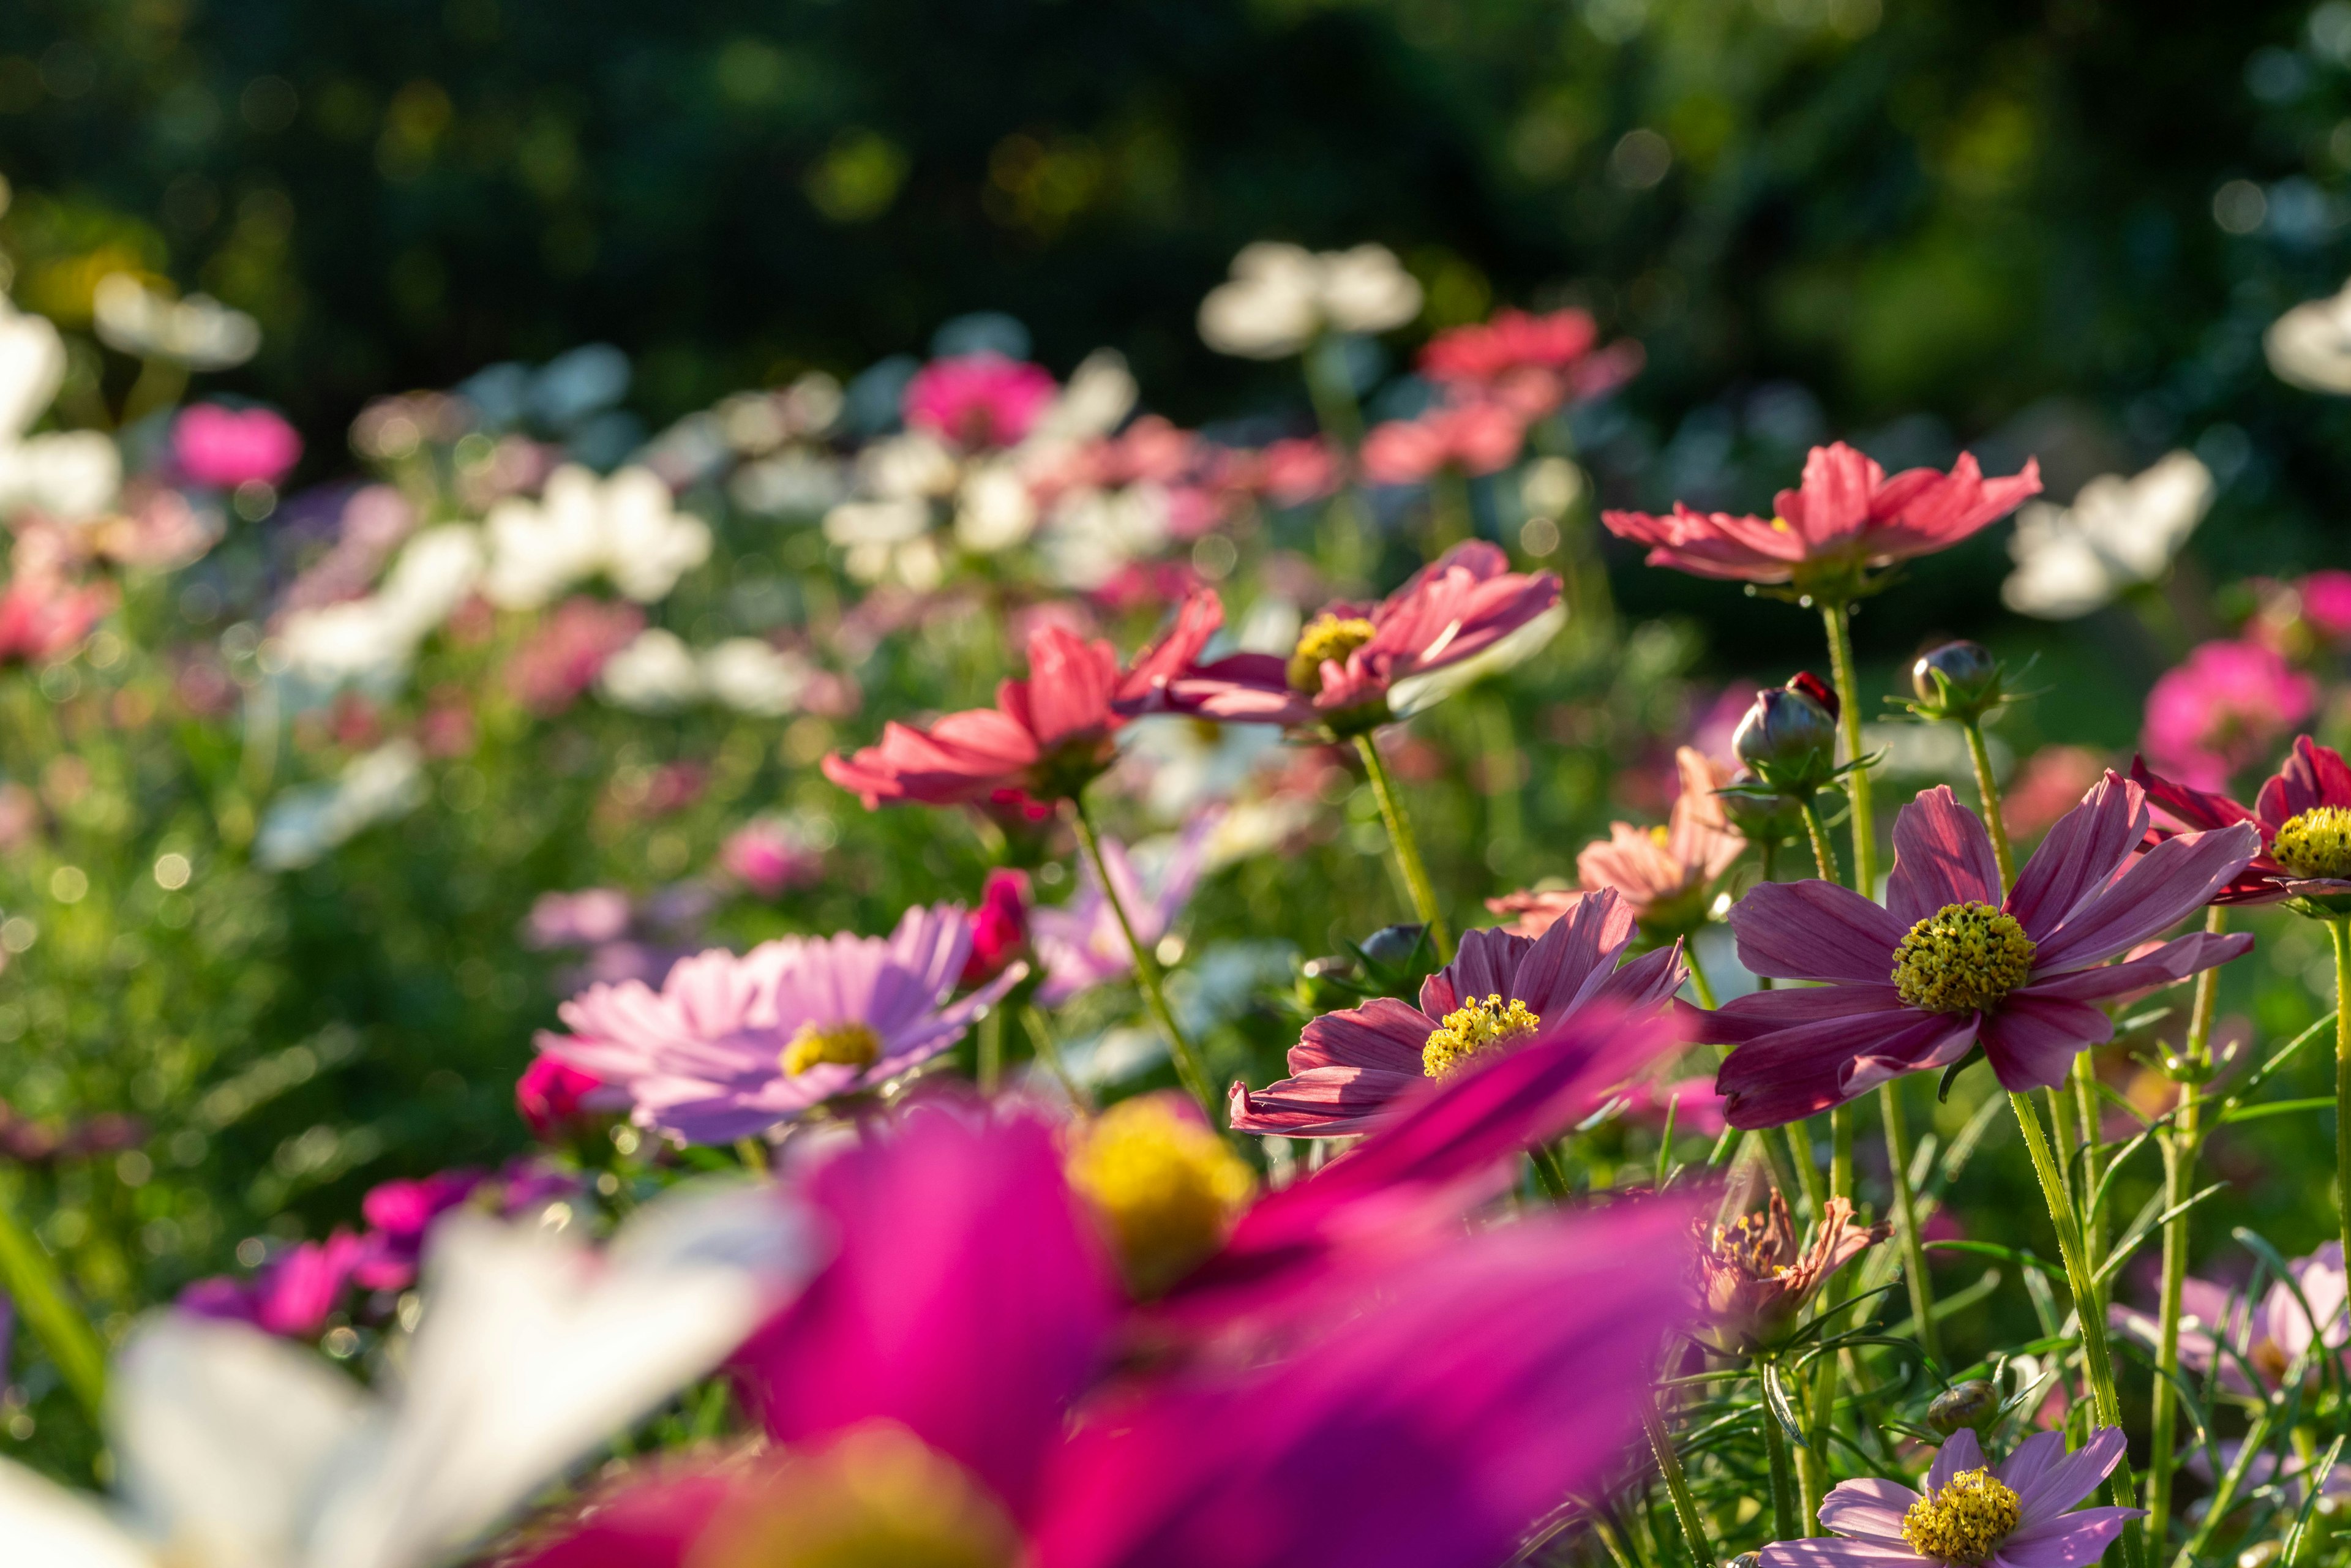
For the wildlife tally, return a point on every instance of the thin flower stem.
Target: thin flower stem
(1702, 1550)
(1825, 859)
(1783, 1483)
(1407, 848)
(1848, 689)
(2341, 930)
(1146, 973)
(991, 1049)
(1988, 792)
(1048, 1047)
(1699, 985)
(1547, 1171)
(2107, 1403)
(1906, 1211)
(2224, 1496)
(1816, 1190)
(29, 1275)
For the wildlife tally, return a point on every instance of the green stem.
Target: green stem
(1848, 689)
(1407, 849)
(2180, 1153)
(30, 1276)
(1824, 860)
(2106, 1402)
(991, 1049)
(1547, 1171)
(1702, 1550)
(1988, 792)
(1146, 973)
(1698, 987)
(1784, 1488)
(1800, 1148)
(1906, 1212)
(2224, 1496)
(1047, 1049)
(1332, 394)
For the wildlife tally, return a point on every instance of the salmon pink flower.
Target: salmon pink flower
(1663, 874)
(1755, 1278)
(2221, 709)
(1531, 364)
(1475, 438)
(42, 615)
(1846, 518)
(1949, 964)
(1971, 1515)
(999, 926)
(2303, 815)
(1352, 1070)
(980, 402)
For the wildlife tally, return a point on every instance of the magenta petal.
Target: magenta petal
(2080, 855)
(1759, 1013)
(651, 1524)
(2172, 961)
(2032, 1039)
(968, 1301)
(1646, 980)
(1814, 931)
(2165, 885)
(1324, 1103)
(1835, 1552)
(2069, 1541)
(1384, 1033)
(1870, 1508)
(1941, 855)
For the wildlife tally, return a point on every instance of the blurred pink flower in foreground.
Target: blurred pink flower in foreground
(229, 446)
(770, 856)
(2221, 710)
(979, 400)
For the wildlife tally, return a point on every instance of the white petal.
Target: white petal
(654, 673)
(45, 1526)
(32, 368)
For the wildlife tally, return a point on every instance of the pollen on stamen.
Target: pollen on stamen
(2315, 843)
(1473, 1026)
(1963, 1522)
(845, 1044)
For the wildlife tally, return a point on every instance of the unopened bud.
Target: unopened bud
(1393, 946)
(1969, 682)
(1787, 737)
(1970, 1404)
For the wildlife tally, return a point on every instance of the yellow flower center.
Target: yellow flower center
(847, 1044)
(2315, 843)
(1963, 1522)
(1961, 957)
(1473, 1026)
(876, 1498)
(1166, 1186)
(1325, 637)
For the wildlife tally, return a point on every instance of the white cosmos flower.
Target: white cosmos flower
(32, 368)
(305, 823)
(374, 640)
(2310, 346)
(755, 677)
(623, 526)
(655, 673)
(1096, 532)
(995, 509)
(236, 1451)
(1281, 297)
(198, 333)
(1101, 394)
(69, 477)
(2117, 533)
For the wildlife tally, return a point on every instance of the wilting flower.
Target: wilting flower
(556, 1099)
(305, 823)
(292, 1294)
(1282, 297)
(234, 1451)
(1755, 1279)
(625, 527)
(979, 400)
(731, 1045)
(1665, 874)
(198, 332)
(770, 855)
(2303, 814)
(2221, 709)
(1354, 1069)
(1357, 666)
(2219, 1329)
(2020, 1514)
(2117, 533)
(1531, 363)
(1847, 517)
(999, 926)
(228, 446)
(1949, 964)
(1474, 438)
(938, 1396)
(1080, 945)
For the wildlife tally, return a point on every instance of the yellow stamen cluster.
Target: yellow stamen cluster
(847, 1044)
(1964, 1521)
(1961, 957)
(1166, 1185)
(877, 1499)
(1473, 1026)
(2315, 843)
(1326, 637)
(1751, 1244)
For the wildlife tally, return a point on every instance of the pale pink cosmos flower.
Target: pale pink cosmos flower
(1080, 943)
(770, 855)
(2254, 1350)
(2221, 710)
(43, 615)
(226, 447)
(979, 401)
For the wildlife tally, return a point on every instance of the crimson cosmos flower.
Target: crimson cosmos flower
(1046, 736)
(1357, 666)
(939, 1393)
(1846, 518)
(2303, 814)
(1949, 964)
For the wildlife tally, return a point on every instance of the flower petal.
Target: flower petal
(2069, 1541)
(2080, 855)
(1832, 1551)
(2030, 1039)
(2171, 962)
(1869, 1509)
(2168, 883)
(1324, 1103)
(1960, 1451)
(2314, 775)
(1814, 931)
(1384, 1033)
(1941, 855)
(2058, 1484)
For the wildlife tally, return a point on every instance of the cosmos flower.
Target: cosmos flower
(2020, 1514)
(373, 639)
(292, 1294)
(309, 822)
(731, 1045)
(198, 332)
(1846, 518)
(1531, 364)
(1357, 666)
(2303, 815)
(2221, 709)
(1755, 1279)
(2117, 533)
(556, 1100)
(563, 658)
(771, 855)
(1475, 438)
(625, 526)
(2310, 346)
(1948, 964)
(226, 447)
(1281, 298)
(979, 400)
(43, 615)
(1665, 874)
(999, 926)
(1356, 1068)
(1080, 945)
(2218, 1327)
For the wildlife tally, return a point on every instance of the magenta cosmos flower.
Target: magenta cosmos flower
(228, 446)
(1949, 964)
(1846, 519)
(942, 1392)
(1354, 1069)
(2221, 709)
(731, 1045)
(979, 400)
(2020, 1514)
(1357, 666)
(2303, 814)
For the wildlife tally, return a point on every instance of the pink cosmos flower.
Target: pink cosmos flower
(43, 615)
(770, 856)
(1663, 874)
(228, 446)
(999, 926)
(399, 1213)
(2020, 1514)
(1354, 1069)
(293, 1294)
(979, 400)
(568, 651)
(2327, 603)
(2221, 709)
(1532, 363)
(1755, 1279)
(1357, 666)
(1949, 964)
(731, 1045)
(1296, 470)
(1846, 519)
(943, 1380)
(2303, 815)
(581, 919)
(1475, 438)
(1046, 736)
(556, 1100)
(1080, 943)
(2218, 1326)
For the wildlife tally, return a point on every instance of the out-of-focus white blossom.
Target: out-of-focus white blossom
(625, 526)
(1281, 298)
(304, 824)
(755, 677)
(68, 477)
(2310, 346)
(1101, 394)
(791, 484)
(198, 333)
(237, 1451)
(996, 510)
(901, 467)
(655, 674)
(32, 368)
(374, 640)
(2117, 533)
(1096, 532)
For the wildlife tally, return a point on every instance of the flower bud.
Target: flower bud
(1760, 817)
(1969, 682)
(1974, 1403)
(1788, 736)
(1392, 947)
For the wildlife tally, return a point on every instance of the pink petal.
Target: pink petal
(2069, 1541)
(1833, 1552)
(1759, 1013)
(2080, 855)
(2165, 885)
(1384, 1033)
(1646, 980)
(2191, 807)
(2030, 1039)
(2050, 1486)
(1960, 1451)
(1814, 931)
(1324, 1103)
(1941, 855)
(1869, 1507)
(2171, 962)
(2314, 775)
(1558, 971)
(2032, 1459)
(651, 1524)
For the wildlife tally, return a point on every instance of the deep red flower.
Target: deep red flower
(2314, 862)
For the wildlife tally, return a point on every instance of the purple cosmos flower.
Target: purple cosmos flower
(732, 1044)
(1352, 1070)
(2014, 1516)
(1949, 964)
(1080, 943)
(2218, 1324)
